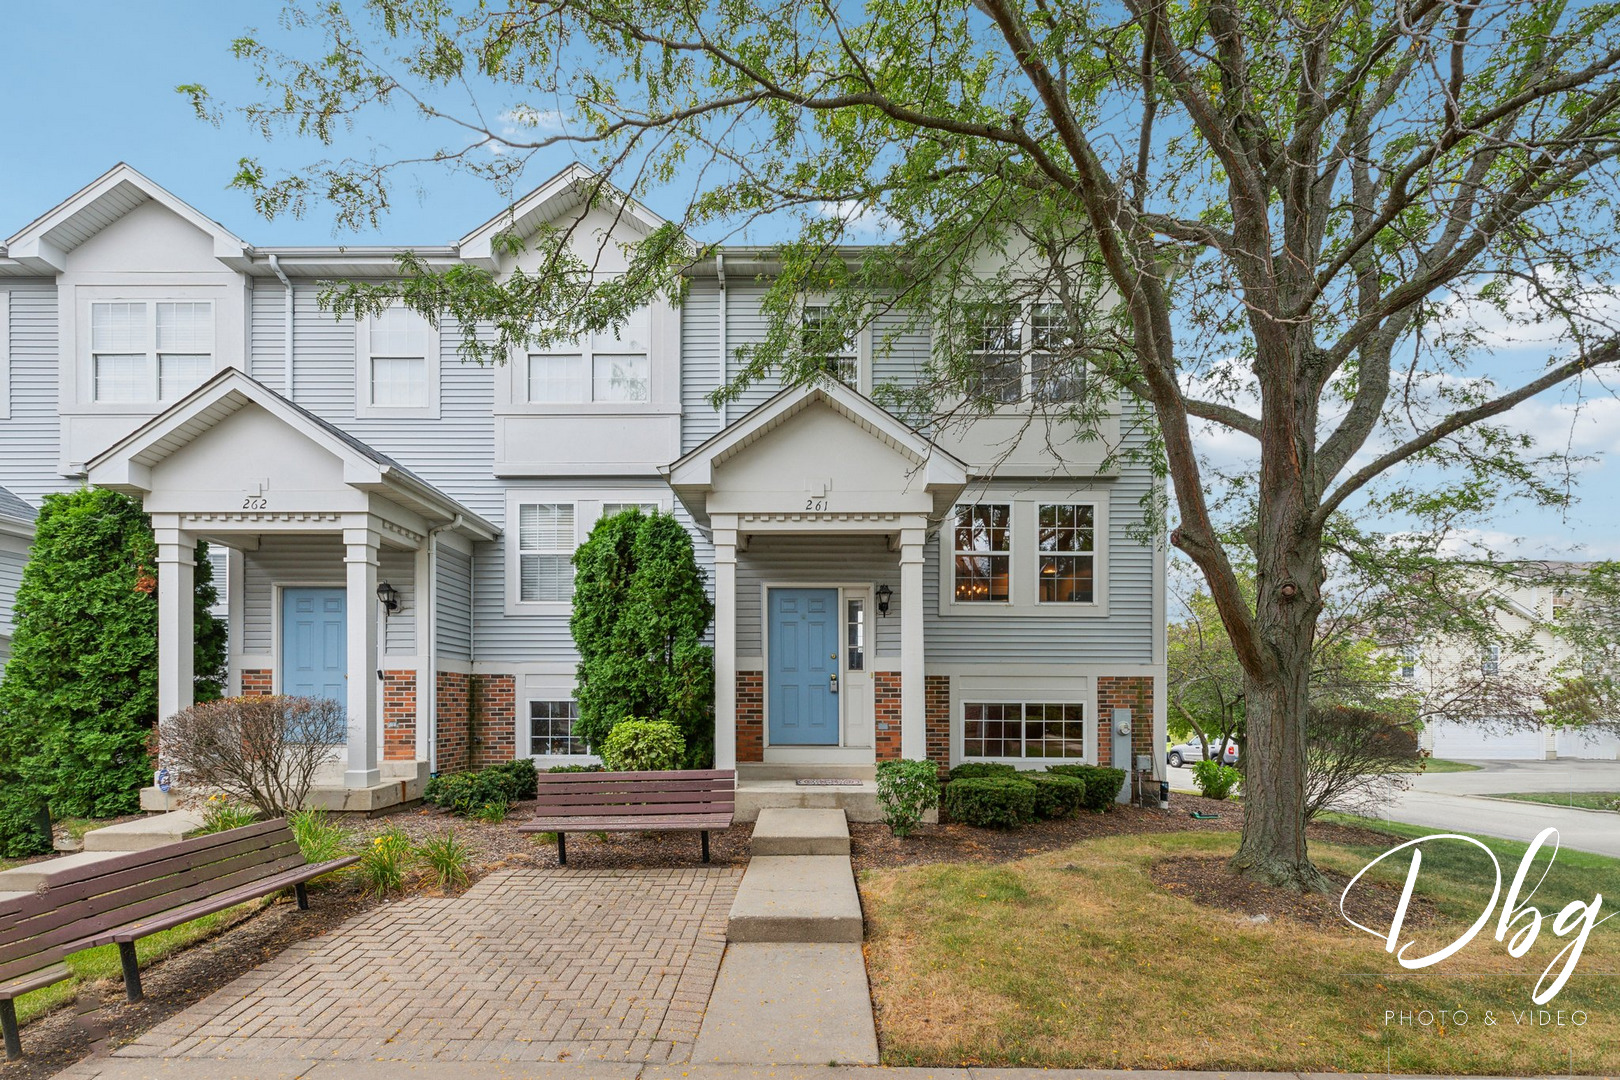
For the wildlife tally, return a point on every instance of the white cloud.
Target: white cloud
(522, 123)
(858, 219)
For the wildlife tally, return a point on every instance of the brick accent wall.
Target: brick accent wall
(494, 719)
(258, 682)
(937, 709)
(454, 733)
(399, 715)
(886, 714)
(750, 716)
(1133, 692)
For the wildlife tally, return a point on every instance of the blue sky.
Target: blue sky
(90, 83)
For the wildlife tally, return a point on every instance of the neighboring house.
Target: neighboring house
(16, 536)
(1485, 702)
(879, 592)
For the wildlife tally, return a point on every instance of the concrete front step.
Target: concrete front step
(796, 898)
(31, 877)
(858, 803)
(781, 1004)
(143, 833)
(772, 770)
(779, 831)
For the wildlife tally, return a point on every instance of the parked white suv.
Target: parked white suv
(1193, 750)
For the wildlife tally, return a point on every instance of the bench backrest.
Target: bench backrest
(619, 794)
(37, 929)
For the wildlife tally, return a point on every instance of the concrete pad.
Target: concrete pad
(780, 831)
(858, 803)
(473, 1070)
(789, 1004)
(122, 1068)
(796, 898)
(143, 833)
(32, 876)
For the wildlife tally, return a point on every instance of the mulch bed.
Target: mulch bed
(1205, 880)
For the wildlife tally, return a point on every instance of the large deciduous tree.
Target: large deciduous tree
(1284, 224)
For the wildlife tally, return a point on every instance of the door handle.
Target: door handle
(832, 682)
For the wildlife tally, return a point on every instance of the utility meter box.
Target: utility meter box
(1120, 750)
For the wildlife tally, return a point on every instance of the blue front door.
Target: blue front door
(314, 650)
(803, 676)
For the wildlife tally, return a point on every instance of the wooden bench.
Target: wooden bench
(126, 897)
(686, 800)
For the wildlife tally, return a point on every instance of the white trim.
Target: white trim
(587, 504)
(1049, 688)
(431, 346)
(90, 297)
(5, 355)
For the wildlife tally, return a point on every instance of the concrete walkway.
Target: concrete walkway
(792, 988)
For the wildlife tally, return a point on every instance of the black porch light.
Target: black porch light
(388, 597)
(884, 594)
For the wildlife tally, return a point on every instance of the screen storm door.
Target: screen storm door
(314, 650)
(803, 667)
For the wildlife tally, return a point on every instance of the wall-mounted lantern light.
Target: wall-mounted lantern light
(884, 593)
(388, 597)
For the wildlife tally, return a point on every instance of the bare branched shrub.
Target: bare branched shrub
(263, 750)
(1356, 760)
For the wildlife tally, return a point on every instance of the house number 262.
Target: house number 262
(255, 502)
(815, 504)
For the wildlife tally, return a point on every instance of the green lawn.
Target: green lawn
(1588, 800)
(1075, 958)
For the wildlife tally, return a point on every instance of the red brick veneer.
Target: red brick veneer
(750, 719)
(399, 715)
(1133, 692)
(258, 682)
(454, 734)
(494, 719)
(937, 709)
(886, 714)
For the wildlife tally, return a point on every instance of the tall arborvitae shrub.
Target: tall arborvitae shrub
(640, 613)
(79, 696)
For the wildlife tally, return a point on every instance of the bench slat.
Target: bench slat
(672, 774)
(690, 823)
(55, 906)
(222, 901)
(49, 976)
(614, 809)
(580, 798)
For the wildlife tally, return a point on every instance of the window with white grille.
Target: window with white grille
(1021, 730)
(144, 352)
(551, 729)
(610, 366)
(398, 365)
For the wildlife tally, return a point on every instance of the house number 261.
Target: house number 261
(815, 504)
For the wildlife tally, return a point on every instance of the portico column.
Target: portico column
(725, 648)
(913, 721)
(176, 573)
(360, 563)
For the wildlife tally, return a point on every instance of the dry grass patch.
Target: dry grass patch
(1076, 958)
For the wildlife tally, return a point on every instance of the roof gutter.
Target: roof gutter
(286, 329)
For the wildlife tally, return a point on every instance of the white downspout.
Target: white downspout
(720, 272)
(431, 611)
(286, 330)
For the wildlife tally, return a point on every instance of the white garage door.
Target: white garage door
(1456, 741)
(1589, 745)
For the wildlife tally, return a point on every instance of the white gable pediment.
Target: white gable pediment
(574, 196)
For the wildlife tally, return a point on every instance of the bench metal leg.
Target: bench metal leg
(132, 971)
(705, 845)
(303, 896)
(562, 850)
(8, 1023)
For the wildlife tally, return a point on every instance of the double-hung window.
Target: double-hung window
(831, 352)
(1057, 373)
(1490, 661)
(397, 366)
(545, 552)
(1001, 336)
(1066, 554)
(996, 370)
(144, 352)
(982, 544)
(609, 366)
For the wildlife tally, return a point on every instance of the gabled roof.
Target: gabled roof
(567, 190)
(939, 470)
(43, 243)
(127, 463)
(16, 512)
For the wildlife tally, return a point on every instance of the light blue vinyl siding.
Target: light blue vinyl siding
(815, 560)
(280, 560)
(11, 569)
(29, 439)
(453, 612)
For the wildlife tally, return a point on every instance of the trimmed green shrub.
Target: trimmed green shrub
(1102, 784)
(25, 822)
(906, 790)
(575, 768)
(1056, 795)
(640, 614)
(1214, 780)
(478, 793)
(521, 778)
(972, 770)
(992, 802)
(643, 746)
(79, 696)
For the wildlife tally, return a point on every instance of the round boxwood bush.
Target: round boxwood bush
(1056, 795)
(643, 746)
(1102, 784)
(973, 770)
(992, 802)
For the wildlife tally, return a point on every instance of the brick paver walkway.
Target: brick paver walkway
(528, 965)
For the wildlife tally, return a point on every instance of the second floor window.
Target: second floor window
(144, 352)
(982, 542)
(545, 552)
(606, 366)
(1490, 661)
(837, 358)
(1001, 336)
(398, 358)
(993, 354)
(1066, 549)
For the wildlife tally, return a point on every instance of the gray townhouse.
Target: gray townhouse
(392, 527)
